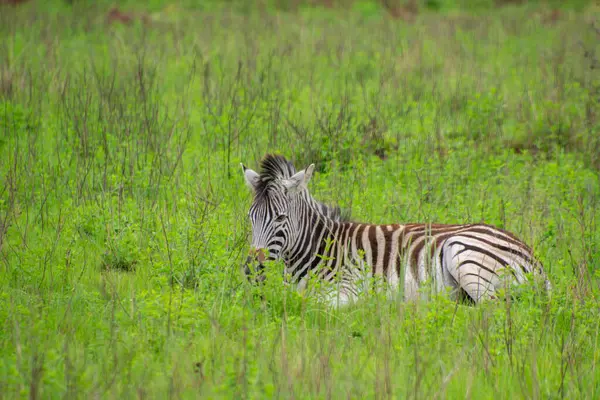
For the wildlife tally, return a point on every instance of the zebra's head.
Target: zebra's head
(274, 213)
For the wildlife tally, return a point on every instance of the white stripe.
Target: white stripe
(367, 245)
(380, 238)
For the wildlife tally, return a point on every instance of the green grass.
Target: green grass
(123, 208)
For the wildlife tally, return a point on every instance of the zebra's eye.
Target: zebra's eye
(280, 218)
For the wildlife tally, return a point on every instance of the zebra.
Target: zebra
(472, 261)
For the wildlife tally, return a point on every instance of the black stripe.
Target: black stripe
(374, 246)
(499, 234)
(479, 250)
(478, 277)
(525, 257)
(359, 232)
(387, 249)
(487, 253)
(478, 265)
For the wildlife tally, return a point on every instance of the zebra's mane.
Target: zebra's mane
(274, 168)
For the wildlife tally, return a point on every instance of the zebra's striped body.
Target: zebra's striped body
(310, 237)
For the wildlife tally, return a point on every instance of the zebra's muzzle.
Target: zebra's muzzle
(255, 272)
(258, 255)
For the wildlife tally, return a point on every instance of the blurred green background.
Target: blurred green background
(123, 208)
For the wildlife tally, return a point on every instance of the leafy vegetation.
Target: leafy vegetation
(123, 209)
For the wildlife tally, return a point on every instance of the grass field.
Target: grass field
(123, 208)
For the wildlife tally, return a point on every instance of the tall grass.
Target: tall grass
(123, 210)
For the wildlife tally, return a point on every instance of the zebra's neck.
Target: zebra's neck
(311, 242)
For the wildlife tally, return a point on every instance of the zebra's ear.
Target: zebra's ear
(299, 180)
(251, 177)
